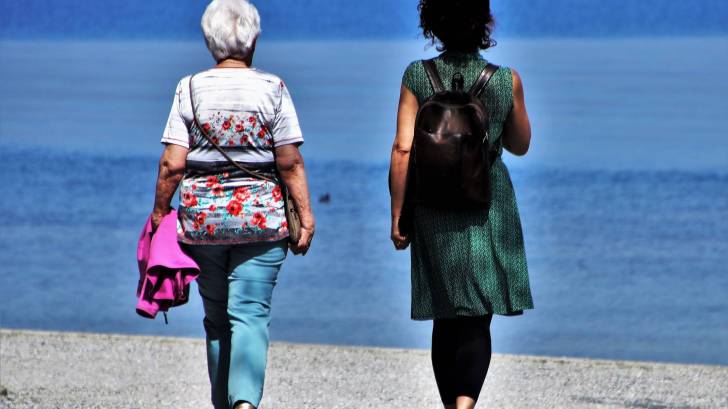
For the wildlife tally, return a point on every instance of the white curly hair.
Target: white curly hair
(230, 28)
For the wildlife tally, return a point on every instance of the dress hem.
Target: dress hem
(514, 313)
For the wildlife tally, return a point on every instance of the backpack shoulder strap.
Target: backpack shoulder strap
(433, 75)
(482, 81)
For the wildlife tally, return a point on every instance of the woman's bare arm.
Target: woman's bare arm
(517, 129)
(171, 170)
(291, 168)
(398, 169)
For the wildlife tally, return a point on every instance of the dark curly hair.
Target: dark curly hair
(457, 25)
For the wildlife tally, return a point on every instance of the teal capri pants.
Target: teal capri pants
(236, 285)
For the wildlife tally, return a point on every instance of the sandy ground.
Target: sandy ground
(71, 370)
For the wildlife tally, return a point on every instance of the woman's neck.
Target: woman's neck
(462, 52)
(232, 63)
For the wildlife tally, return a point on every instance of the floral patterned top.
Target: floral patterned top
(248, 113)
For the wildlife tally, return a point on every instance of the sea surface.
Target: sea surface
(623, 196)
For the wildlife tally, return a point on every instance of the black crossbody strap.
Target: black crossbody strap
(433, 75)
(482, 81)
(216, 146)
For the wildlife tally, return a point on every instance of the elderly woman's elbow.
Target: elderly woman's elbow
(171, 170)
(173, 161)
(172, 167)
(289, 159)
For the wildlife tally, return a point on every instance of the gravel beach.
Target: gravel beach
(74, 370)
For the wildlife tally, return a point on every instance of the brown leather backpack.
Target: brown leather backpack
(451, 154)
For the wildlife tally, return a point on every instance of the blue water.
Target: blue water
(624, 196)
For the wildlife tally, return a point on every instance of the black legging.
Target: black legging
(461, 356)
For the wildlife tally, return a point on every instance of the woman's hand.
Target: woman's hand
(291, 168)
(401, 242)
(304, 243)
(156, 220)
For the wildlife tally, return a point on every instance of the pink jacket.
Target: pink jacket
(165, 271)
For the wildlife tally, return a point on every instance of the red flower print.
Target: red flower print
(261, 134)
(244, 139)
(211, 181)
(217, 190)
(226, 175)
(277, 194)
(226, 125)
(284, 224)
(216, 140)
(206, 126)
(200, 218)
(212, 207)
(234, 207)
(210, 229)
(196, 226)
(251, 119)
(231, 142)
(239, 127)
(258, 220)
(194, 186)
(188, 199)
(242, 194)
(262, 225)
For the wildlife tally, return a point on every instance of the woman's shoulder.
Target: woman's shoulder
(183, 87)
(503, 69)
(267, 76)
(507, 77)
(184, 82)
(414, 67)
(513, 73)
(413, 74)
(481, 63)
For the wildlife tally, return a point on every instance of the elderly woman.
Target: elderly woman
(233, 224)
(467, 264)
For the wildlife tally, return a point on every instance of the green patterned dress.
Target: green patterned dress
(464, 263)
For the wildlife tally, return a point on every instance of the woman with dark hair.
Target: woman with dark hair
(467, 264)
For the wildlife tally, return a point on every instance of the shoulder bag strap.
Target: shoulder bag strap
(482, 81)
(433, 75)
(216, 146)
